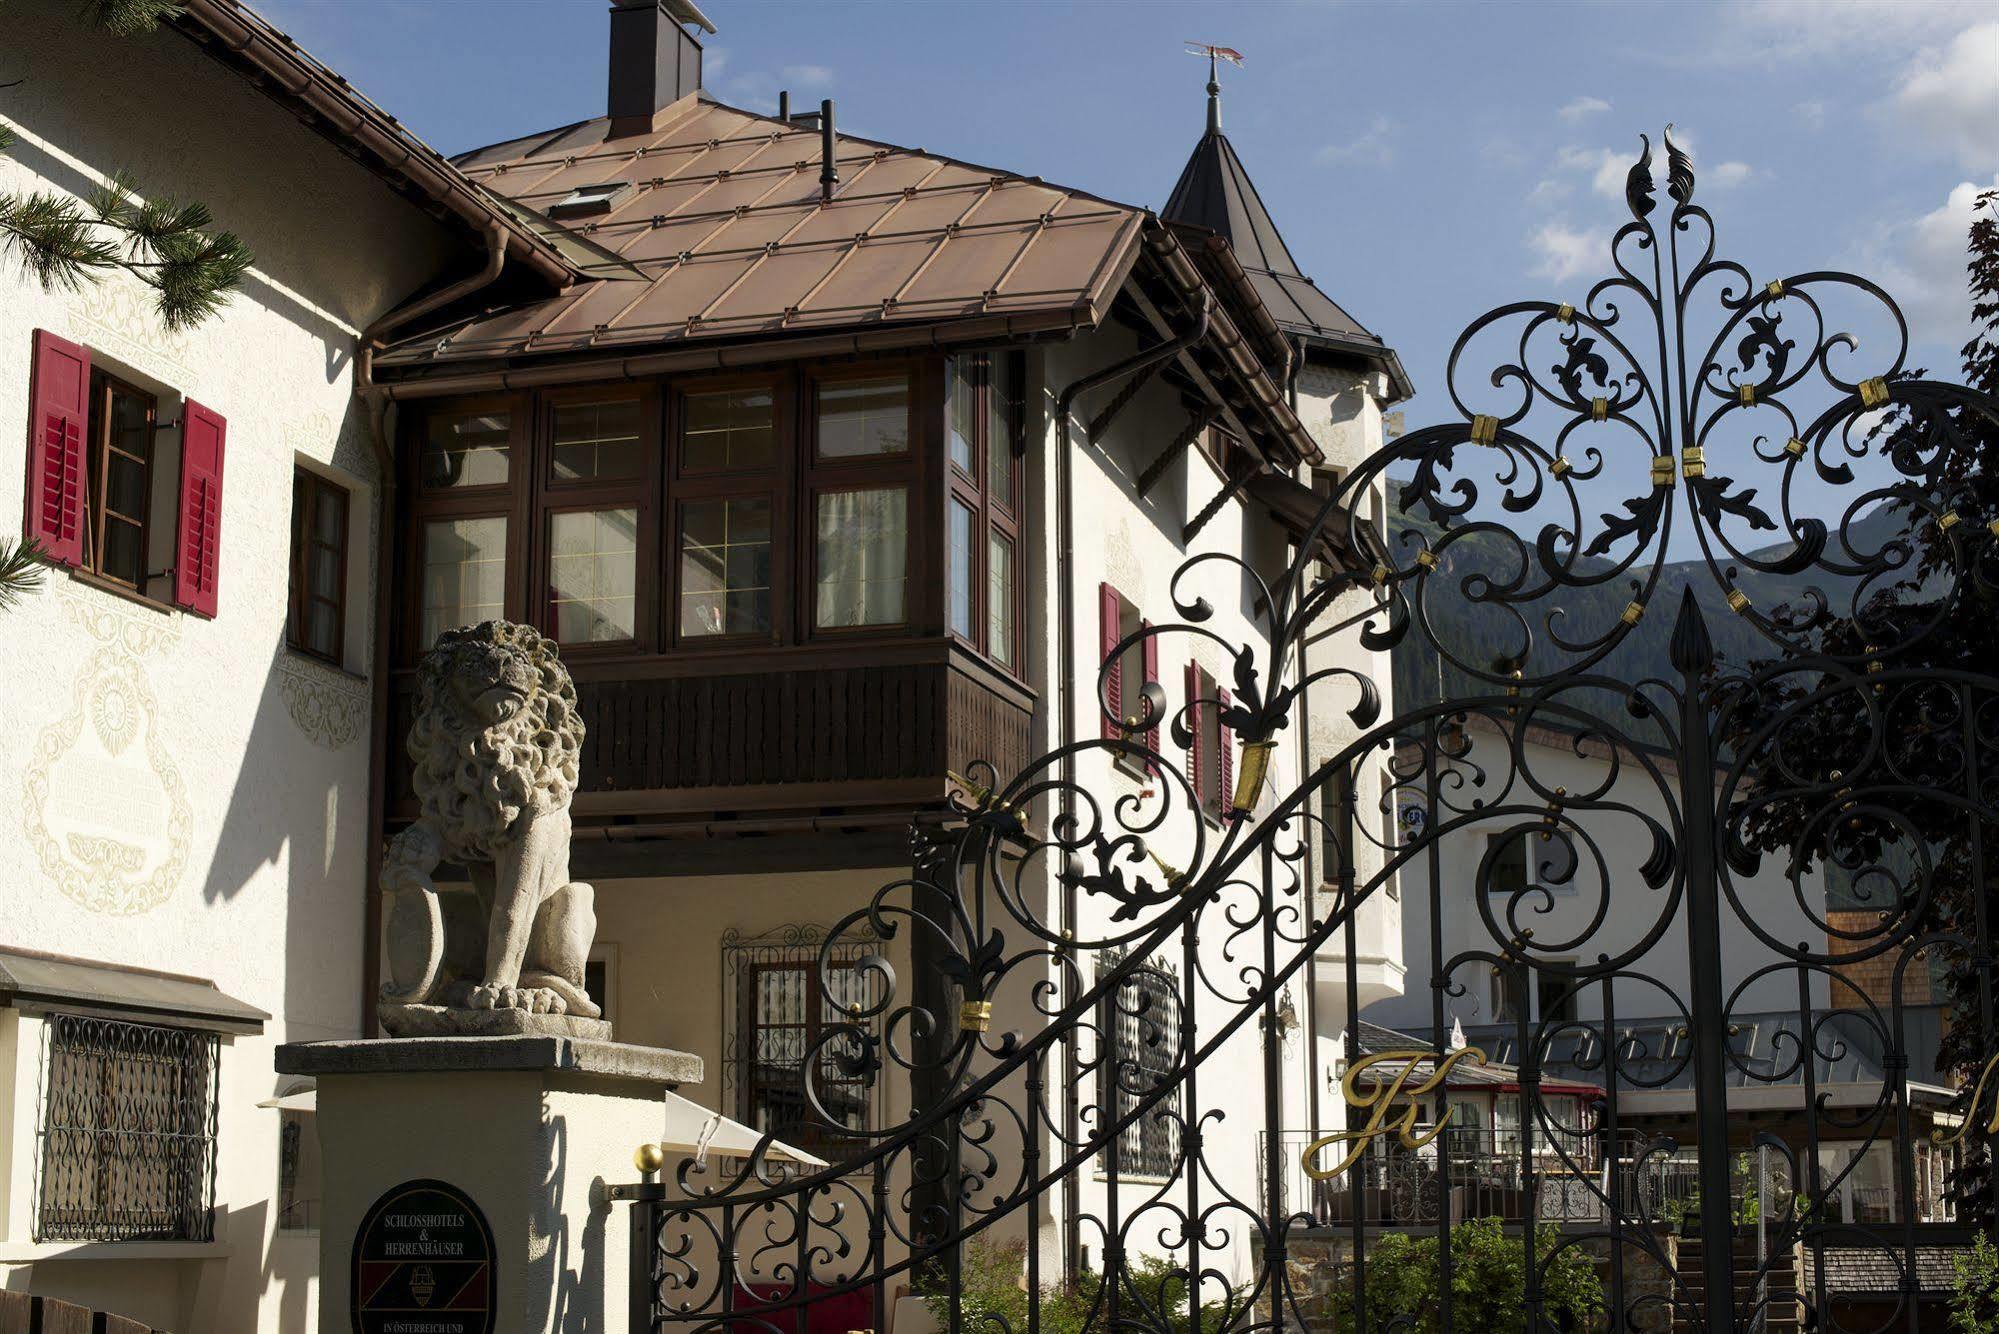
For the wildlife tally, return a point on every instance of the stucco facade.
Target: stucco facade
(187, 794)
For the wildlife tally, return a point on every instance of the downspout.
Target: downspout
(376, 403)
(1065, 611)
(1313, 1081)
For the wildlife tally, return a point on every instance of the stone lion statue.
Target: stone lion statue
(495, 743)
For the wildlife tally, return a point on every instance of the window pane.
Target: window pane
(734, 428)
(330, 515)
(322, 626)
(124, 552)
(466, 449)
(593, 565)
(725, 567)
(999, 599)
(464, 574)
(596, 441)
(961, 570)
(964, 410)
(858, 418)
(862, 549)
(999, 429)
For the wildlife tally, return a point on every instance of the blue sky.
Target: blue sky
(1425, 160)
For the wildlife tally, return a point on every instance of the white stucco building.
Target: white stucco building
(184, 760)
(874, 480)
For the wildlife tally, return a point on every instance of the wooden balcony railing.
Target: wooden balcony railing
(863, 728)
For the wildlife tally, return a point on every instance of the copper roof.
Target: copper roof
(723, 232)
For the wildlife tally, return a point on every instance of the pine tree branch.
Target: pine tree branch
(22, 565)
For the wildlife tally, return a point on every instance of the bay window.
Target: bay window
(725, 512)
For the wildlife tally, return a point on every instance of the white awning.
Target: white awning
(693, 1130)
(298, 1100)
(688, 1130)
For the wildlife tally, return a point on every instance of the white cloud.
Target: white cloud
(1949, 96)
(1374, 145)
(1583, 106)
(1606, 168)
(807, 76)
(758, 89)
(1804, 30)
(1722, 175)
(1563, 252)
(1922, 264)
(1548, 191)
(1811, 113)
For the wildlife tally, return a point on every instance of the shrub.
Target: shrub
(992, 1289)
(1488, 1282)
(1974, 1297)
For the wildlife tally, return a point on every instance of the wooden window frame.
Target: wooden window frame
(990, 516)
(817, 1013)
(307, 486)
(775, 484)
(511, 501)
(97, 469)
(823, 476)
(546, 497)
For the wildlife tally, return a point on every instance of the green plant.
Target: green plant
(1974, 1296)
(992, 1288)
(1488, 1282)
(22, 565)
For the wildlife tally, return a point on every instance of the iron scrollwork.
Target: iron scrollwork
(1533, 563)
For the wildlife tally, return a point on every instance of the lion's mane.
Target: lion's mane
(473, 780)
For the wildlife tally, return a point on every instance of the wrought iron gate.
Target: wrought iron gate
(1781, 710)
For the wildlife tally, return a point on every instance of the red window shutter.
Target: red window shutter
(1110, 611)
(1227, 801)
(1196, 753)
(198, 558)
(1151, 674)
(59, 394)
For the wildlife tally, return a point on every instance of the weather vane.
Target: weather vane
(1215, 55)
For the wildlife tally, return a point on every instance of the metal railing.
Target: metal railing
(127, 1132)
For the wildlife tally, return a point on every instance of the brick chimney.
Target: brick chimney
(655, 60)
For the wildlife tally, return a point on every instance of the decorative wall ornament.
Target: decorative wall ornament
(103, 805)
(119, 317)
(110, 620)
(327, 704)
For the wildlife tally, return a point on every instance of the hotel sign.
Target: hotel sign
(423, 1263)
(1391, 1105)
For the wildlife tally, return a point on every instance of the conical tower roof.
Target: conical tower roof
(1215, 193)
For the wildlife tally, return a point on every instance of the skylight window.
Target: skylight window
(586, 200)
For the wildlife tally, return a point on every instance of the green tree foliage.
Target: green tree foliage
(1488, 1283)
(992, 1289)
(64, 243)
(1908, 737)
(1974, 1296)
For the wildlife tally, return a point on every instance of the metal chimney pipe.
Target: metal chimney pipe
(784, 104)
(829, 175)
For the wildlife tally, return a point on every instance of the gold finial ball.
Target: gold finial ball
(648, 1158)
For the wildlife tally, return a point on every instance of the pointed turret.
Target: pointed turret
(1215, 194)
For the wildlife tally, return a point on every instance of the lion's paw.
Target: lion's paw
(535, 1000)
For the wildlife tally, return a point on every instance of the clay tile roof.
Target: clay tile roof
(722, 233)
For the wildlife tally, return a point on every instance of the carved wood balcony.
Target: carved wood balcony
(862, 730)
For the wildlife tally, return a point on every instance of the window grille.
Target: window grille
(128, 1132)
(778, 1004)
(1140, 1023)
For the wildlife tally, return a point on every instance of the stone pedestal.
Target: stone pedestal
(529, 1129)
